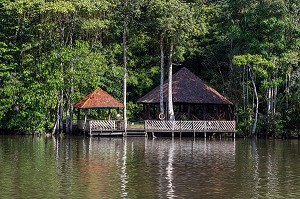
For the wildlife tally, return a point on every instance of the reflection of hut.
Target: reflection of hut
(192, 99)
(97, 100)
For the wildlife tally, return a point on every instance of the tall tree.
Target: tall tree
(125, 63)
(257, 67)
(176, 24)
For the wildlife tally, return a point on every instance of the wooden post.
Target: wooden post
(145, 128)
(109, 114)
(180, 128)
(205, 128)
(194, 129)
(90, 129)
(173, 126)
(153, 136)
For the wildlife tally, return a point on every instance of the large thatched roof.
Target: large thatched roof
(98, 99)
(187, 88)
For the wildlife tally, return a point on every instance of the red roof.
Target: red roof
(98, 99)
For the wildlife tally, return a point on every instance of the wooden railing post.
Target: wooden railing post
(90, 125)
(180, 127)
(193, 127)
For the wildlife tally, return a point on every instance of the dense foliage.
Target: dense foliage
(55, 52)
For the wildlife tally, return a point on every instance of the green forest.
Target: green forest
(54, 52)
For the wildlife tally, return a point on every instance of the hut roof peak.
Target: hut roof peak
(98, 99)
(187, 88)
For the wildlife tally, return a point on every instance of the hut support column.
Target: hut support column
(109, 114)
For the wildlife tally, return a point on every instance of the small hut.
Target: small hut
(192, 99)
(98, 100)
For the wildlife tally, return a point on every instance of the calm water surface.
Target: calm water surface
(82, 167)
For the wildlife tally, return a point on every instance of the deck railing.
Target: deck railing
(101, 125)
(189, 126)
(161, 126)
(106, 125)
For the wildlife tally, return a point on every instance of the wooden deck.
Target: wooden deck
(116, 127)
(190, 126)
(109, 128)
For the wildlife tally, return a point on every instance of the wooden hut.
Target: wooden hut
(98, 100)
(192, 98)
(193, 101)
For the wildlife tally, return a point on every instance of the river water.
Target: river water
(97, 167)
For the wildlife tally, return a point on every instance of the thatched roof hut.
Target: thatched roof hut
(188, 89)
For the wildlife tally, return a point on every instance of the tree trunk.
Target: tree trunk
(257, 103)
(269, 108)
(161, 74)
(275, 99)
(170, 94)
(125, 68)
(244, 95)
(60, 113)
(71, 109)
(247, 87)
(67, 126)
(269, 100)
(287, 88)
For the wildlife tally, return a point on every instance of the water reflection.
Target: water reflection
(97, 167)
(123, 169)
(183, 163)
(169, 170)
(256, 178)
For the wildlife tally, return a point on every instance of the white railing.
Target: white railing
(189, 126)
(100, 125)
(106, 125)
